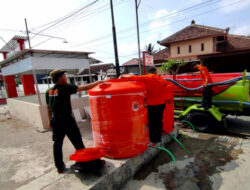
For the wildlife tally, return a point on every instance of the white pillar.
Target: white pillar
(1, 90)
(101, 73)
(6, 92)
(37, 89)
(90, 78)
(75, 81)
(48, 82)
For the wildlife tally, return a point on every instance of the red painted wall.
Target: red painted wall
(11, 86)
(28, 85)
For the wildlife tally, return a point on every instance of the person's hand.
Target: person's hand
(124, 76)
(101, 81)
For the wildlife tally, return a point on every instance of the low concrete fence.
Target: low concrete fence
(37, 115)
(42, 87)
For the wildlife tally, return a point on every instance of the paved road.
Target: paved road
(240, 124)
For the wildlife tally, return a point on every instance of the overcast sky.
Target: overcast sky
(91, 31)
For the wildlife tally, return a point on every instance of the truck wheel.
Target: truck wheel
(202, 121)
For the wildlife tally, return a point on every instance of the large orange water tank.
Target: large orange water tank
(168, 114)
(119, 118)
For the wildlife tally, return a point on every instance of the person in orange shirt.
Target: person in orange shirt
(207, 90)
(156, 88)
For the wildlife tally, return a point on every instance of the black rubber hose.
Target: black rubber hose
(211, 84)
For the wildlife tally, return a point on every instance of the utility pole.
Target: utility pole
(33, 71)
(27, 32)
(138, 35)
(117, 66)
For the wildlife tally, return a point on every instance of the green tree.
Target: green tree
(18, 81)
(172, 66)
(150, 48)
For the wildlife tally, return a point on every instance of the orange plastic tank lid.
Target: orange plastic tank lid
(87, 154)
(117, 86)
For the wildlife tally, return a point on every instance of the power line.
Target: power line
(81, 17)
(66, 21)
(95, 11)
(132, 27)
(156, 28)
(149, 6)
(46, 24)
(123, 31)
(92, 13)
(67, 17)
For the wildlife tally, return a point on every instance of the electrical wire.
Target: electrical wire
(67, 17)
(78, 17)
(149, 6)
(160, 18)
(99, 10)
(157, 28)
(96, 11)
(143, 24)
(52, 22)
(70, 24)
(210, 84)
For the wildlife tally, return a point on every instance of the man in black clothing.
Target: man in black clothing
(60, 114)
(155, 117)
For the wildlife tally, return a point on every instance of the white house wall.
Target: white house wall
(44, 63)
(18, 67)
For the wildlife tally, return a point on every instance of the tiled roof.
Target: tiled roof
(134, 61)
(12, 44)
(94, 60)
(193, 31)
(161, 56)
(96, 68)
(234, 42)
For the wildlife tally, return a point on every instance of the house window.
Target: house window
(202, 46)
(189, 48)
(178, 50)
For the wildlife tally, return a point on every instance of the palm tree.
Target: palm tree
(150, 48)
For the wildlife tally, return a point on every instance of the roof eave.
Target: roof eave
(225, 53)
(27, 51)
(171, 42)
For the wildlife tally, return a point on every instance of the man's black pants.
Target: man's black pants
(207, 97)
(62, 126)
(155, 115)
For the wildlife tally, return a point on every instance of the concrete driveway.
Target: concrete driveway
(26, 154)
